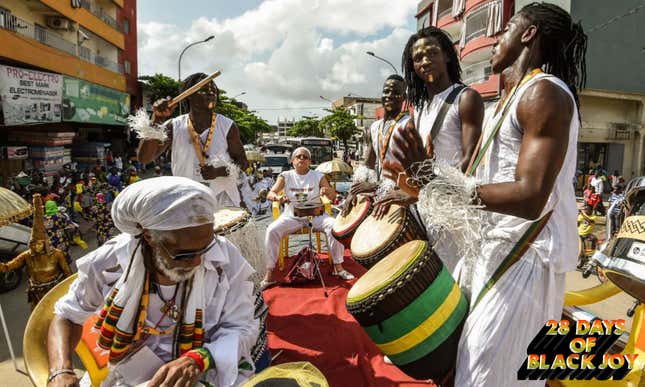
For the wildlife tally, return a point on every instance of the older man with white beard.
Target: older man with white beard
(174, 301)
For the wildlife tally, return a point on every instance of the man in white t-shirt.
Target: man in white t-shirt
(219, 145)
(299, 186)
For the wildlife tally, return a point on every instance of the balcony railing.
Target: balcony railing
(445, 12)
(476, 73)
(98, 12)
(476, 23)
(45, 36)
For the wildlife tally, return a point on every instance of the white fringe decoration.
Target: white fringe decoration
(231, 168)
(140, 123)
(445, 205)
(386, 186)
(364, 174)
(250, 240)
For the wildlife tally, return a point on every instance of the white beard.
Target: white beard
(175, 275)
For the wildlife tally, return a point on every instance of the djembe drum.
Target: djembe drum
(413, 310)
(345, 226)
(376, 238)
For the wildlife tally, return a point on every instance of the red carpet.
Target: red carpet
(310, 327)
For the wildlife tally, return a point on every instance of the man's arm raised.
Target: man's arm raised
(150, 149)
(544, 113)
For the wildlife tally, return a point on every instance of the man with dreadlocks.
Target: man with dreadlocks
(204, 143)
(448, 115)
(176, 299)
(523, 169)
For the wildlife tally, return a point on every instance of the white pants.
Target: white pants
(496, 334)
(287, 224)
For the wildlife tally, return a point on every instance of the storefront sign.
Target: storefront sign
(30, 96)
(88, 102)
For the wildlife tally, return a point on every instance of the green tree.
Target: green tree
(160, 86)
(307, 126)
(340, 124)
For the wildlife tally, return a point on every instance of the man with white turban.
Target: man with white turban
(174, 301)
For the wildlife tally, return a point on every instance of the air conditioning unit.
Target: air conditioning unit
(58, 23)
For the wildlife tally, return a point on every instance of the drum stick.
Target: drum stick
(194, 88)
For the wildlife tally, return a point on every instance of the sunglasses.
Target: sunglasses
(189, 255)
(302, 157)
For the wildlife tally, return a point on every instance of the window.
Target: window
(425, 19)
(126, 66)
(40, 34)
(126, 25)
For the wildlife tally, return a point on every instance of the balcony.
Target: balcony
(38, 46)
(44, 36)
(98, 12)
(476, 73)
(480, 25)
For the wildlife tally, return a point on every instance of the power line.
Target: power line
(614, 19)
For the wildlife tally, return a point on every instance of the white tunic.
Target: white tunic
(448, 145)
(301, 188)
(381, 127)
(557, 244)
(230, 329)
(531, 291)
(185, 162)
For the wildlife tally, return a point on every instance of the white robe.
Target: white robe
(230, 330)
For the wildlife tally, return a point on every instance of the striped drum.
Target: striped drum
(376, 238)
(412, 309)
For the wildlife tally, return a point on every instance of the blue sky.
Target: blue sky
(283, 53)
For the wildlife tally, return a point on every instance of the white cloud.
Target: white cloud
(284, 52)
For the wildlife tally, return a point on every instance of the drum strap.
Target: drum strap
(515, 254)
(443, 110)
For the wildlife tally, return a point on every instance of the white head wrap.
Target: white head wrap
(163, 203)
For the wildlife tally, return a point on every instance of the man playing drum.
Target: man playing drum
(301, 186)
(203, 143)
(524, 168)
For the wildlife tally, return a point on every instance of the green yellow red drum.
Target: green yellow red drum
(413, 310)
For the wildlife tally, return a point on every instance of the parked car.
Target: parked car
(276, 163)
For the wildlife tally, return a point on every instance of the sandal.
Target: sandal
(344, 274)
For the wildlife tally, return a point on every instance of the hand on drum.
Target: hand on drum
(64, 380)
(362, 187)
(382, 206)
(283, 199)
(394, 171)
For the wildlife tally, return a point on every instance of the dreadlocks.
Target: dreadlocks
(416, 90)
(563, 43)
(191, 81)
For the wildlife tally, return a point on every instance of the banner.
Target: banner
(30, 96)
(88, 102)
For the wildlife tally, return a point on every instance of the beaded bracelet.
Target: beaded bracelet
(202, 357)
(61, 371)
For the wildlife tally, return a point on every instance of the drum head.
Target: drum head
(344, 224)
(387, 270)
(228, 217)
(626, 267)
(373, 234)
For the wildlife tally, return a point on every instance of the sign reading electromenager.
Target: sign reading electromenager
(88, 102)
(30, 96)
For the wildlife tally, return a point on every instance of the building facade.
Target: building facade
(612, 103)
(284, 124)
(68, 70)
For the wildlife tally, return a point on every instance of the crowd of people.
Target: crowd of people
(175, 300)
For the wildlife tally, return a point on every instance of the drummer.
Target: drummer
(219, 142)
(381, 136)
(301, 186)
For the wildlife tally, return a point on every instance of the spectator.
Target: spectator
(586, 225)
(597, 183)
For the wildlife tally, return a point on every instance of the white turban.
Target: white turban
(163, 203)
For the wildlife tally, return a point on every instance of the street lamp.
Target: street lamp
(184, 50)
(370, 53)
(242, 93)
(326, 99)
